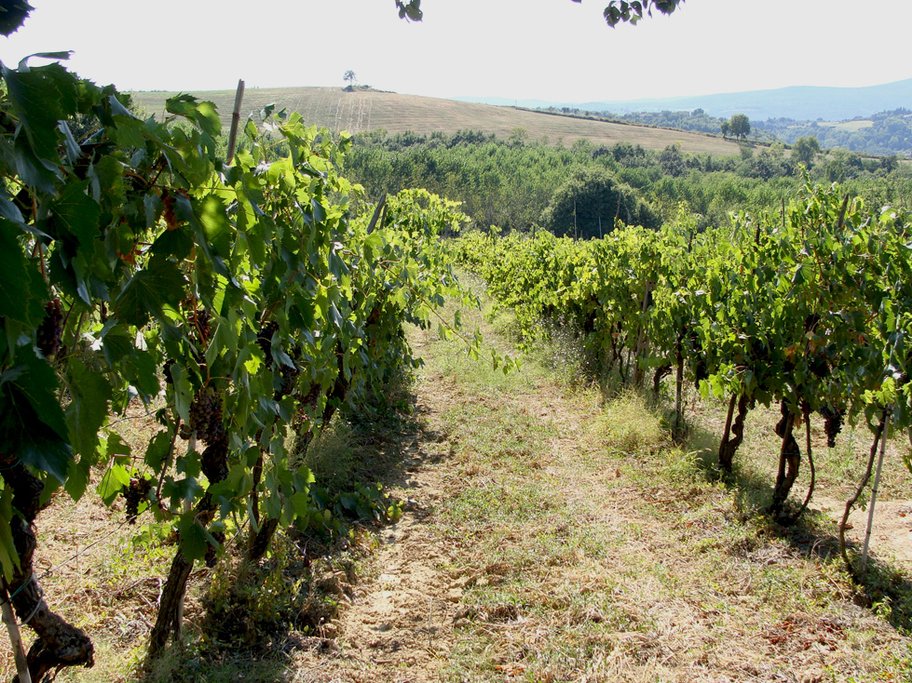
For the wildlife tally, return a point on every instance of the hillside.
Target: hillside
(803, 103)
(366, 110)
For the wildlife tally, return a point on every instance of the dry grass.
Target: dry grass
(366, 110)
(567, 540)
(550, 536)
(850, 126)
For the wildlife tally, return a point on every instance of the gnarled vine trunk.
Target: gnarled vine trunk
(214, 463)
(59, 644)
(660, 373)
(734, 433)
(789, 461)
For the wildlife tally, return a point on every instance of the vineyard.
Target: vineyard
(244, 303)
(807, 310)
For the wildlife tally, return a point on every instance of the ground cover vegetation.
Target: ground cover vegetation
(559, 535)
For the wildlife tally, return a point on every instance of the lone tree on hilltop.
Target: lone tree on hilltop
(739, 126)
(350, 78)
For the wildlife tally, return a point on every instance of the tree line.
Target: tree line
(516, 183)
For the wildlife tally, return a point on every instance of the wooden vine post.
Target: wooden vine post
(15, 636)
(870, 524)
(235, 121)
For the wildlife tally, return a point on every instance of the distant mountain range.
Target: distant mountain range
(802, 103)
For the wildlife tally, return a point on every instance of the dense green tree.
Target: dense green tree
(726, 129)
(739, 126)
(589, 203)
(886, 133)
(843, 165)
(805, 149)
(672, 161)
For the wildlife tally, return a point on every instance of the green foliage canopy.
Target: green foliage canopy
(739, 126)
(805, 149)
(589, 203)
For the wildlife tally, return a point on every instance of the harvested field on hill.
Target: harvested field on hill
(366, 110)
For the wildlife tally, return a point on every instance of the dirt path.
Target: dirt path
(891, 533)
(548, 539)
(399, 625)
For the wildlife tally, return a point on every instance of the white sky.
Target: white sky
(554, 50)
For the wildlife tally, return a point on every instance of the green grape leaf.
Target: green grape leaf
(116, 448)
(90, 393)
(203, 113)
(207, 118)
(193, 538)
(149, 291)
(30, 388)
(158, 450)
(77, 479)
(139, 369)
(43, 450)
(116, 342)
(70, 145)
(130, 131)
(302, 504)
(13, 15)
(78, 213)
(36, 101)
(215, 224)
(38, 174)
(177, 243)
(14, 278)
(115, 478)
(118, 109)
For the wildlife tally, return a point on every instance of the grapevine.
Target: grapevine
(253, 298)
(771, 309)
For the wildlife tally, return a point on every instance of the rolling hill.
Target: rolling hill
(365, 110)
(802, 103)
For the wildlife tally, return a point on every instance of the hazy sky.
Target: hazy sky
(553, 50)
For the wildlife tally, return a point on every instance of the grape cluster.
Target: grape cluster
(50, 331)
(206, 416)
(832, 424)
(134, 494)
(214, 460)
(264, 340)
(200, 321)
(289, 379)
(168, 213)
